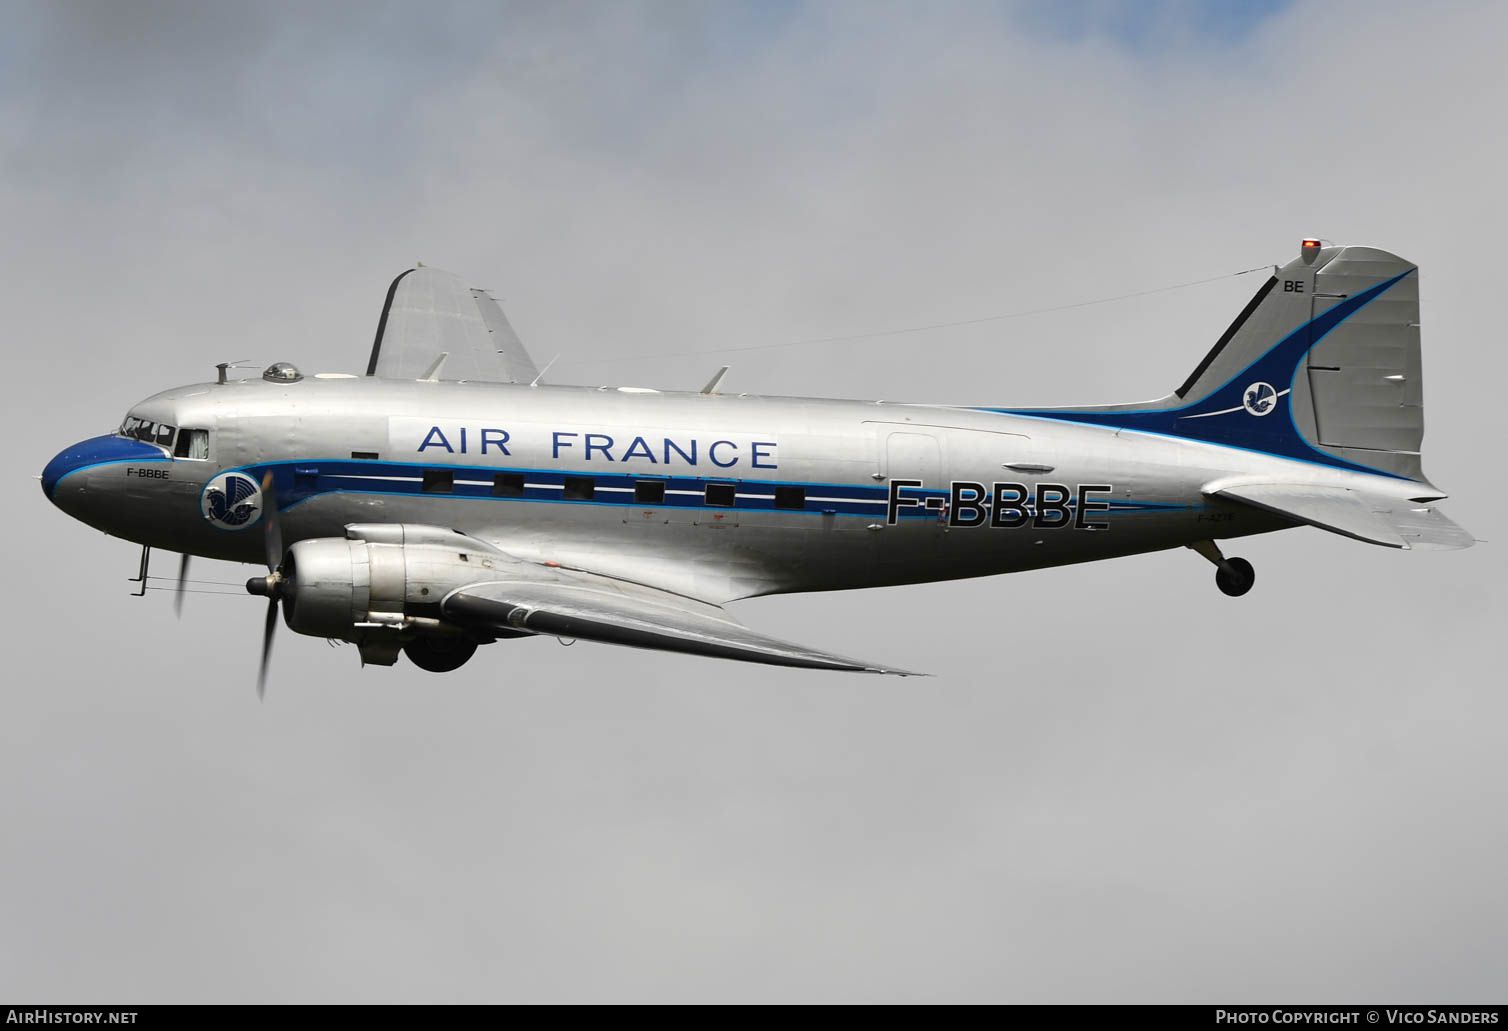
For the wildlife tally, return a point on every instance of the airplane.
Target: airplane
(449, 499)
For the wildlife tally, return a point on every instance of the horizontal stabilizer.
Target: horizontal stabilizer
(593, 608)
(1374, 518)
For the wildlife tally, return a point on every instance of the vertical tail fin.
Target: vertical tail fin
(1322, 365)
(1324, 360)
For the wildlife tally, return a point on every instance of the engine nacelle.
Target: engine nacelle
(381, 576)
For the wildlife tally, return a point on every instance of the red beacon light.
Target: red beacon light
(1309, 250)
(1311, 245)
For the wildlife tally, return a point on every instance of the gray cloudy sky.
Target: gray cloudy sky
(1119, 786)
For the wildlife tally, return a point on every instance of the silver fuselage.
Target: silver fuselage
(366, 450)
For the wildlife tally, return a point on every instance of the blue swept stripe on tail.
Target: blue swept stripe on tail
(1252, 409)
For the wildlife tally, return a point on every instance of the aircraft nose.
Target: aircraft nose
(92, 452)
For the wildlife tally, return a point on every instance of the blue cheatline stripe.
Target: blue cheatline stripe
(97, 451)
(113, 461)
(1273, 434)
(299, 481)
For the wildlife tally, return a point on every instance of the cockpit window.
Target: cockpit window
(149, 432)
(192, 444)
(182, 443)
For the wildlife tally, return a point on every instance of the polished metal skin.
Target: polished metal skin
(411, 504)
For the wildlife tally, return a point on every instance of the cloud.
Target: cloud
(1119, 787)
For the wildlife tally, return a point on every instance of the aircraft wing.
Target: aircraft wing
(1373, 518)
(585, 606)
(429, 313)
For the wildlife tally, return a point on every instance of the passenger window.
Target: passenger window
(649, 492)
(580, 488)
(192, 444)
(721, 495)
(790, 497)
(439, 481)
(508, 485)
(365, 456)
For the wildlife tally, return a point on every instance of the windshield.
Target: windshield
(149, 432)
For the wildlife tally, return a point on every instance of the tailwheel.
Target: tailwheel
(1235, 576)
(440, 654)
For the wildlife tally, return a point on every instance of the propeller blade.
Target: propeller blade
(272, 533)
(183, 564)
(267, 628)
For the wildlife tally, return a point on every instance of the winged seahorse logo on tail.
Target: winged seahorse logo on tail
(1259, 399)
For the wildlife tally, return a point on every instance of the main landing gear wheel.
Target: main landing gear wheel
(1235, 577)
(439, 654)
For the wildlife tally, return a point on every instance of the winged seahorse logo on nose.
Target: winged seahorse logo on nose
(1259, 399)
(232, 501)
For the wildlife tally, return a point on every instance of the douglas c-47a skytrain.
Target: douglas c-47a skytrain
(445, 500)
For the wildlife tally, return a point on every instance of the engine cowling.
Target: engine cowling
(380, 577)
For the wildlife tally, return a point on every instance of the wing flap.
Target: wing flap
(598, 609)
(429, 313)
(1374, 518)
